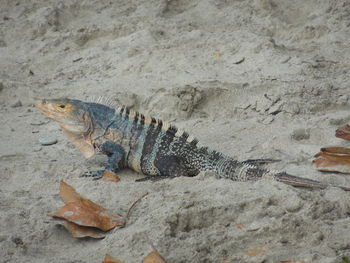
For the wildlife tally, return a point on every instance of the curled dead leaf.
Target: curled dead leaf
(109, 259)
(343, 132)
(110, 176)
(153, 257)
(80, 231)
(82, 217)
(333, 159)
(86, 213)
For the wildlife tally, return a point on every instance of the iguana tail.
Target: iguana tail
(304, 182)
(227, 167)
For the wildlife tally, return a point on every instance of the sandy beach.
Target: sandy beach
(250, 78)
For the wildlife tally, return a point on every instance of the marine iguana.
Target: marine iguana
(150, 146)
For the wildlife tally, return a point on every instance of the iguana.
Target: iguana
(150, 146)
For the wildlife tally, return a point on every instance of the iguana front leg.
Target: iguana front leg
(115, 162)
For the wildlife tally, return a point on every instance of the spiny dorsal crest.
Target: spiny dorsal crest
(107, 101)
(125, 112)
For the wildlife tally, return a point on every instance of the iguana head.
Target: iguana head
(71, 115)
(74, 117)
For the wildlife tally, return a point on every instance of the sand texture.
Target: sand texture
(250, 78)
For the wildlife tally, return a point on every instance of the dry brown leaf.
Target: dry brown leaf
(336, 150)
(153, 257)
(86, 213)
(68, 193)
(81, 212)
(110, 259)
(333, 159)
(80, 231)
(343, 132)
(110, 176)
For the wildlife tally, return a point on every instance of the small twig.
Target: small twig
(133, 204)
(77, 59)
(39, 123)
(239, 61)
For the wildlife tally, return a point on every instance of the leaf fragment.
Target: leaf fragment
(333, 159)
(343, 132)
(154, 257)
(110, 176)
(109, 259)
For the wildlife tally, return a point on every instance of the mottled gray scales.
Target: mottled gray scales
(152, 140)
(138, 136)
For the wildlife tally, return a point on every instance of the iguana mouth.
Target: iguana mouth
(64, 113)
(42, 106)
(48, 109)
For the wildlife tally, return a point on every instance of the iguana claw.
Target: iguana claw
(96, 175)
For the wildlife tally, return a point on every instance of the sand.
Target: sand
(252, 79)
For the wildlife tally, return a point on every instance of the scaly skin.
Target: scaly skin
(150, 146)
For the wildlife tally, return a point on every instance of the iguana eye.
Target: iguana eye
(63, 107)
